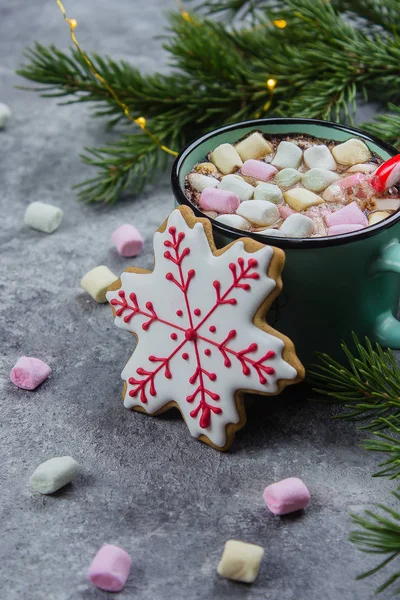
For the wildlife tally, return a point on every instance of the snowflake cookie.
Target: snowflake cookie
(200, 318)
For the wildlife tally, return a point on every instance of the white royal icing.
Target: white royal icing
(171, 379)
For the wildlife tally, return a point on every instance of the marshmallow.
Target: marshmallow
(29, 372)
(385, 203)
(200, 182)
(377, 216)
(366, 168)
(317, 180)
(109, 570)
(272, 232)
(350, 214)
(53, 474)
(210, 213)
(352, 152)
(268, 191)
(237, 185)
(254, 146)
(300, 198)
(285, 211)
(297, 226)
(319, 157)
(234, 221)
(5, 114)
(127, 240)
(287, 178)
(42, 216)
(226, 159)
(259, 212)
(351, 181)
(287, 155)
(334, 193)
(240, 561)
(287, 496)
(344, 228)
(219, 200)
(96, 282)
(258, 169)
(207, 168)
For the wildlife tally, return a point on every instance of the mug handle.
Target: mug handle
(387, 327)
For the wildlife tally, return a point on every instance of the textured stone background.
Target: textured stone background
(145, 484)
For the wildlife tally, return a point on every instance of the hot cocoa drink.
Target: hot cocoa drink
(295, 186)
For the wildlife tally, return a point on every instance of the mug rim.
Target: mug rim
(285, 243)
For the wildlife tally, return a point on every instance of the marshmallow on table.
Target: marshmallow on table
(199, 182)
(287, 496)
(350, 214)
(317, 180)
(254, 146)
(287, 177)
(344, 228)
(377, 216)
(258, 169)
(109, 570)
(225, 158)
(240, 561)
(287, 155)
(5, 114)
(272, 232)
(29, 372)
(53, 474)
(298, 226)
(351, 152)
(268, 191)
(219, 200)
(234, 221)
(319, 157)
(127, 240)
(300, 198)
(42, 216)
(97, 281)
(260, 212)
(237, 185)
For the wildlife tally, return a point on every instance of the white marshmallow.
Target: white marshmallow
(240, 561)
(287, 178)
(237, 185)
(97, 281)
(385, 203)
(200, 182)
(377, 216)
(272, 232)
(234, 221)
(254, 146)
(319, 157)
(352, 152)
(297, 226)
(207, 168)
(301, 199)
(226, 159)
(260, 212)
(318, 179)
(287, 155)
(53, 474)
(42, 216)
(334, 193)
(365, 168)
(268, 191)
(5, 114)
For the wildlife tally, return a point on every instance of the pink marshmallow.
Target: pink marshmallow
(110, 568)
(258, 169)
(344, 228)
(350, 214)
(285, 211)
(351, 181)
(287, 496)
(127, 240)
(29, 372)
(219, 200)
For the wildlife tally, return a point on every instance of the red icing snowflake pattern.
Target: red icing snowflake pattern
(194, 333)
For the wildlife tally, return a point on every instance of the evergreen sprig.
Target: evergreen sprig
(322, 62)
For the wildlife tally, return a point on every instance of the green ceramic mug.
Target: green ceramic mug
(331, 286)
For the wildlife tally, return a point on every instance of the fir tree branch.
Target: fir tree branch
(386, 126)
(388, 443)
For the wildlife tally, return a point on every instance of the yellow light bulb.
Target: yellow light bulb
(271, 83)
(72, 23)
(280, 23)
(141, 121)
(186, 16)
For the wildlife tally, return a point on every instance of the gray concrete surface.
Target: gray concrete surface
(145, 483)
